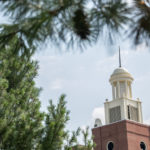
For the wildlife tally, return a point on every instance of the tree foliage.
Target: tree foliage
(19, 104)
(72, 142)
(73, 22)
(22, 124)
(62, 21)
(141, 25)
(56, 119)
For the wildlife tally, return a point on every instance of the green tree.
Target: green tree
(54, 131)
(72, 142)
(6, 120)
(21, 122)
(21, 119)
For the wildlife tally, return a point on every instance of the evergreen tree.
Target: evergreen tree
(72, 143)
(62, 21)
(6, 119)
(140, 28)
(20, 116)
(56, 119)
(74, 23)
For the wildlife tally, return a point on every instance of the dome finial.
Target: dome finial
(119, 58)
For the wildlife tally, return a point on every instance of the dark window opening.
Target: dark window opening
(110, 146)
(143, 146)
(129, 117)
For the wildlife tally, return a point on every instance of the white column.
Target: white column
(106, 105)
(125, 109)
(140, 118)
(126, 89)
(113, 91)
(118, 89)
(130, 90)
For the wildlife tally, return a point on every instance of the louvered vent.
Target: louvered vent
(132, 113)
(115, 114)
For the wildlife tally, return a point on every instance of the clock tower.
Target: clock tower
(124, 129)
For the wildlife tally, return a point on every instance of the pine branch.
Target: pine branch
(77, 27)
(140, 29)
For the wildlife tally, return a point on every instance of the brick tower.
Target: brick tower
(124, 129)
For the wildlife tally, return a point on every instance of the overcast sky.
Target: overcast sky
(84, 78)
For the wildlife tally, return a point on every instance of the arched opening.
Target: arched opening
(110, 146)
(143, 146)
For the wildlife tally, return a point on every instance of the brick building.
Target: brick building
(124, 129)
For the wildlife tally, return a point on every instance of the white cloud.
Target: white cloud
(98, 112)
(147, 121)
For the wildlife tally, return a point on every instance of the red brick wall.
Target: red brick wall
(126, 135)
(137, 133)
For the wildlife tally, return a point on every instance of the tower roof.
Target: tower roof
(120, 70)
(121, 74)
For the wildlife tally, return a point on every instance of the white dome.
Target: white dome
(120, 74)
(120, 70)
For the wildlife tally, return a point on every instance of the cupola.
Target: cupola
(121, 81)
(122, 106)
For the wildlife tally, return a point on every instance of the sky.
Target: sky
(84, 77)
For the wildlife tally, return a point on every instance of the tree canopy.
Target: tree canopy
(22, 124)
(75, 22)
